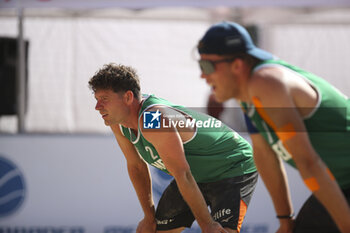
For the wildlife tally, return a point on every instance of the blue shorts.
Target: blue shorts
(228, 200)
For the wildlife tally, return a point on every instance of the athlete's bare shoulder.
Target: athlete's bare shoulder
(267, 82)
(278, 83)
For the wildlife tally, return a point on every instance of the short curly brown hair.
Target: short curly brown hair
(118, 78)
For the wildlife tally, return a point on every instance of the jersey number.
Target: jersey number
(148, 149)
(281, 151)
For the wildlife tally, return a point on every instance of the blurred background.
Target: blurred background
(60, 167)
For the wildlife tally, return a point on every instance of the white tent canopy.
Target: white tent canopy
(140, 4)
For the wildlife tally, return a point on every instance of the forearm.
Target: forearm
(272, 172)
(169, 145)
(327, 192)
(194, 198)
(140, 178)
(320, 181)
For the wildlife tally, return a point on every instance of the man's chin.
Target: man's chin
(109, 123)
(220, 99)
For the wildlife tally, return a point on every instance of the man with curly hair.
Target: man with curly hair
(211, 164)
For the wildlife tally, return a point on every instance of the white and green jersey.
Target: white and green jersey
(214, 152)
(328, 125)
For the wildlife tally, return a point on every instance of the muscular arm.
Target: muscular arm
(280, 110)
(139, 175)
(271, 170)
(169, 146)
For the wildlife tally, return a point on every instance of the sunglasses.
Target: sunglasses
(208, 67)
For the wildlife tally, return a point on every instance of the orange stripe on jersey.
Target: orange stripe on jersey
(312, 184)
(330, 174)
(286, 132)
(242, 211)
(260, 109)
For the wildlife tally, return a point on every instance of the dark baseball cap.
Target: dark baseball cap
(227, 38)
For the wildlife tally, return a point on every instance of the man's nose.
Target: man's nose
(98, 106)
(204, 76)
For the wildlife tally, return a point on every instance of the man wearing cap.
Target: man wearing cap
(292, 115)
(211, 164)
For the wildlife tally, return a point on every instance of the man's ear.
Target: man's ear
(237, 64)
(128, 97)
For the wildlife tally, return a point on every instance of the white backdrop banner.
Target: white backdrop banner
(79, 184)
(64, 53)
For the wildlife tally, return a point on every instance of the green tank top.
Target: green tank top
(213, 153)
(328, 125)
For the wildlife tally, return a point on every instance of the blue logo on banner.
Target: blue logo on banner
(151, 120)
(12, 188)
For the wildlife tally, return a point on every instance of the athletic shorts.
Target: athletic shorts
(314, 218)
(227, 199)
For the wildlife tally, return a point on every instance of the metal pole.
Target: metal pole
(20, 74)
